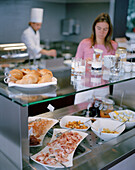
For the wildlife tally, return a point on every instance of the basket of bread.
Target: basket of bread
(30, 78)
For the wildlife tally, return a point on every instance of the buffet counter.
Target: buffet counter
(14, 145)
(93, 153)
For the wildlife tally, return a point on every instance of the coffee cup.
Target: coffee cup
(127, 66)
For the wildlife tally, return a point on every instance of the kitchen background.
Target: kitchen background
(15, 15)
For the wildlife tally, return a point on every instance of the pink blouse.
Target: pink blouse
(84, 51)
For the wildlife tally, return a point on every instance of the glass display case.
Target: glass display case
(67, 85)
(16, 101)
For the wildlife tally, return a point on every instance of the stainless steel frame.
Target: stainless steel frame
(13, 133)
(124, 94)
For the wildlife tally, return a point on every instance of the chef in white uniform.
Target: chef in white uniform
(31, 36)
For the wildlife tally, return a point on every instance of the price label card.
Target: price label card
(50, 107)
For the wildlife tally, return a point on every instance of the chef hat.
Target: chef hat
(36, 15)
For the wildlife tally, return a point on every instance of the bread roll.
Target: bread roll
(16, 74)
(45, 78)
(27, 76)
(34, 77)
(45, 71)
(28, 71)
(28, 79)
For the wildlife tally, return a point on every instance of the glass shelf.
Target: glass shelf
(67, 85)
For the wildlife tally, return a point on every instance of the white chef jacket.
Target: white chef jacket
(32, 41)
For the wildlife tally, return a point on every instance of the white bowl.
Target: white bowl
(123, 115)
(107, 123)
(67, 55)
(127, 66)
(66, 119)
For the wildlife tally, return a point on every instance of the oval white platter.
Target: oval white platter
(33, 119)
(33, 86)
(40, 157)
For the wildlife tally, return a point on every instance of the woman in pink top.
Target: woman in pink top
(100, 38)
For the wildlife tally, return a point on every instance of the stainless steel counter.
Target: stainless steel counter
(93, 153)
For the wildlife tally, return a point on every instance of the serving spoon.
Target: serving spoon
(120, 125)
(83, 123)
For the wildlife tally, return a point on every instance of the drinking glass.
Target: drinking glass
(80, 66)
(115, 65)
(96, 65)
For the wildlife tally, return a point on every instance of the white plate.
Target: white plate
(54, 121)
(122, 114)
(66, 119)
(33, 86)
(69, 163)
(68, 62)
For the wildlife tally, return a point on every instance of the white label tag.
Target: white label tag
(50, 107)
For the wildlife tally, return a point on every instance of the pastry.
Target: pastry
(27, 76)
(45, 71)
(16, 74)
(28, 71)
(45, 78)
(28, 79)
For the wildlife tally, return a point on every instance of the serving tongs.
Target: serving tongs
(60, 133)
(88, 120)
(83, 123)
(53, 156)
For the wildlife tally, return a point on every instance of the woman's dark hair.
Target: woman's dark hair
(103, 17)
